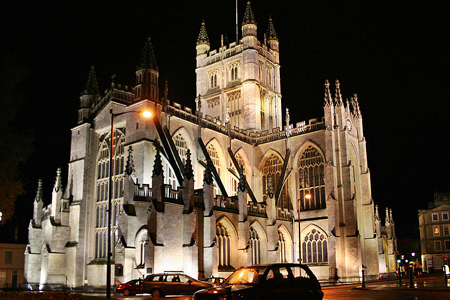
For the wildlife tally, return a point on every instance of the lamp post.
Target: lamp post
(145, 114)
(307, 197)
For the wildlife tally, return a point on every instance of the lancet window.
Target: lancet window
(214, 155)
(255, 245)
(181, 145)
(311, 184)
(282, 247)
(223, 245)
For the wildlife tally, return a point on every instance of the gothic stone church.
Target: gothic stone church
(210, 190)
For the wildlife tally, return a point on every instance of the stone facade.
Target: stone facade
(210, 190)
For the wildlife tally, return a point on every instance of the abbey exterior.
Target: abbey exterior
(205, 191)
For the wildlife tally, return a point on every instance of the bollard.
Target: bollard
(411, 283)
(363, 281)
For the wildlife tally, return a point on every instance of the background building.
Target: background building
(11, 265)
(208, 190)
(434, 226)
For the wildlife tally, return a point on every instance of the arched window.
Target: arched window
(311, 179)
(315, 247)
(141, 241)
(214, 155)
(103, 169)
(223, 245)
(272, 175)
(181, 145)
(255, 245)
(282, 247)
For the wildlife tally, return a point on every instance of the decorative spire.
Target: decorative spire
(148, 59)
(203, 35)
(288, 118)
(129, 168)
(249, 17)
(390, 216)
(242, 179)
(58, 182)
(157, 167)
(188, 171)
(91, 83)
(337, 94)
(39, 192)
(357, 110)
(327, 100)
(387, 216)
(377, 215)
(271, 33)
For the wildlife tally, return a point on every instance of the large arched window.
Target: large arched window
(141, 241)
(223, 245)
(181, 145)
(214, 155)
(315, 247)
(311, 179)
(101, 205)
(255, 245)
(272, 173)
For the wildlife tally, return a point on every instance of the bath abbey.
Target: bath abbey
(205, 190)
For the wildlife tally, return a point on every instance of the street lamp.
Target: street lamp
(145, 114)
(307, 197)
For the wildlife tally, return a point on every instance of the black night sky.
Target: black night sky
(391, 53)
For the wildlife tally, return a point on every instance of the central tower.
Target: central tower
(239, 84)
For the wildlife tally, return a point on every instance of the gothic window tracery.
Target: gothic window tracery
(315, 247)
(272, 176)
(118, 173)
(181, 145)
(311, 179)
(213, 78)
(235, 105)
(214, 155)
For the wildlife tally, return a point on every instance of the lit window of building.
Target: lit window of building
(311, 179)
(315, 247)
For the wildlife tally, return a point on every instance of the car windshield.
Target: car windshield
(244, 276)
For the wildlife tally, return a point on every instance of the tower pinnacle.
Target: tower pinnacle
(148, 59)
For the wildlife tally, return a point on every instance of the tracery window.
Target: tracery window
(214, 155)
(255, 245)
(235, 108)
(181, 145)
(223, 245)
(282, 247)
(311, 179)
(315, 247)
(272, 173)
(235, 180)
(101, 205)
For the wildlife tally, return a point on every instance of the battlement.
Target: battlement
(233, 49)
(253, 137)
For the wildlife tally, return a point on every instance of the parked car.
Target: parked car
(160, 285)
(215, 281)
(264, 282)
(130, 288)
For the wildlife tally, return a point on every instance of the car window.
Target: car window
(298, 272)
(183, 278)
(162, 278)
(243, 276)
(170, 278)
(150, 279)
(277, 274)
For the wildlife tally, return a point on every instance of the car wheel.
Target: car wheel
(157, 293)
(126, 292)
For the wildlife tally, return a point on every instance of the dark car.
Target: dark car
(130, 288)
(160, 285)
(271, 281)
